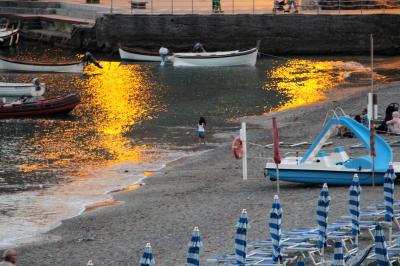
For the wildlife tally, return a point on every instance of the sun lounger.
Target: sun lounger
(393, 257)
(377, 215)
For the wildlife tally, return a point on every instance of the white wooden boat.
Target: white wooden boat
(20, 66)
(216, 59)
(139, 55)
(33, 89)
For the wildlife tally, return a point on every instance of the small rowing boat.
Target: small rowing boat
(52, 106)
(136, 54)
(21, 66)
(216, 59)
(33, 89)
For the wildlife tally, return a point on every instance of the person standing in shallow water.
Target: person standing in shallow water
(201, 130)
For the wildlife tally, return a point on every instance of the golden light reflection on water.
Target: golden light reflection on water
(114, 100)
(303, 82)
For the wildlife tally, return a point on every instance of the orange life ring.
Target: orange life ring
(237, 148)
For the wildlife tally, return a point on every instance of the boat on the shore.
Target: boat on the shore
(22, 66)
(33, 89)
(52, 106)
(336, 168)
(136, 54)
(216, 59)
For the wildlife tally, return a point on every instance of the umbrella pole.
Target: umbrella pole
(322, 257)
(277, 179)
(390, 233)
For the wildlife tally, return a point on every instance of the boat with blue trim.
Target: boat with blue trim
(336, 168)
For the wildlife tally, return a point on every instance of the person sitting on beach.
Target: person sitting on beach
(9, 258)
(394, 124)
(201, 130)
(294, 4)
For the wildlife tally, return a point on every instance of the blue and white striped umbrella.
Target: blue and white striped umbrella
(194, 248)
(241, 238)
(338, 259)
(275, 220)
(322, 215)
(147, 258)
(388, 191)
(354, 207)
(381, 253)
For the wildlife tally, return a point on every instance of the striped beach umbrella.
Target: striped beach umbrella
(241, 238)
(338, 259)
(147, 258)
(275, 220)
(388, 193)
(194, 248)
(322, 215)
(354, 207)
(381, 253)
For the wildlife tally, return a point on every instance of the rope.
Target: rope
(279, 57)
(255, 144)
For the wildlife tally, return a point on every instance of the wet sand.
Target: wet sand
(205, 191)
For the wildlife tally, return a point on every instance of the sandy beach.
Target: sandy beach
(205, 191)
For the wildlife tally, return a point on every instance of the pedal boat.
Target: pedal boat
(336, 168)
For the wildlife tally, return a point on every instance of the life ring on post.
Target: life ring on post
(237, 148)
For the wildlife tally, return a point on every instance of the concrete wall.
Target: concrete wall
(279, 34)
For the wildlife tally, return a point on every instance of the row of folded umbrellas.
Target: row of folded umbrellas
(275, 221)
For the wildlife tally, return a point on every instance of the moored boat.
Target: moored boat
(217, 59)
(142, 55)
(336, 168)
(52, 106)
(33, 89)
(21, 66)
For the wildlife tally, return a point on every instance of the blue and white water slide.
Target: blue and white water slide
(317, 167)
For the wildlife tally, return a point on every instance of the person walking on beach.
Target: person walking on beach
(9, 258)
(201, 130)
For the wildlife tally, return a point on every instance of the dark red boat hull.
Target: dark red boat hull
(53, 106)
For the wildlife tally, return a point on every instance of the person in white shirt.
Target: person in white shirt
(201, 130)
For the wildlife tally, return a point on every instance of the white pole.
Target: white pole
(243, 138)
(370, 107)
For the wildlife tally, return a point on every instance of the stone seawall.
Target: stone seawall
(279, 34)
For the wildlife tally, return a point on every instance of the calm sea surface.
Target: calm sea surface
(133, 119)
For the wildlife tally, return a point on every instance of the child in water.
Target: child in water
(201, 130)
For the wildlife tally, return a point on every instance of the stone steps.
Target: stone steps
(56, 8)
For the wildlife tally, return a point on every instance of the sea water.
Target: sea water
(133, 119)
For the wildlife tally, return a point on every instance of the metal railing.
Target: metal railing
(205, 7)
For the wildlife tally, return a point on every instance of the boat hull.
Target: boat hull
(54, 106)
(8, 33)
(218, 59)
(10, 65)
(337, 178)
(125, 55)
(21, 89)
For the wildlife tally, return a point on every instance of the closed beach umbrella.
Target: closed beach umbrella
(388, 194)
(381, 253)
(241, 238)
(194, 248)
(388, 191)
(354, 207)
(322, 216)
(147, 258)
(275, 220)
(338, 259)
